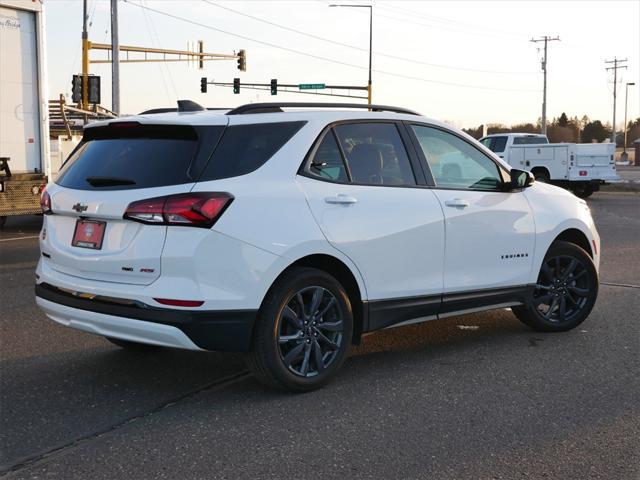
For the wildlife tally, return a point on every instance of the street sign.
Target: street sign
(311, 86)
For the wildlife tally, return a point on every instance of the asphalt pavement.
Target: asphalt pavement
(471, 397)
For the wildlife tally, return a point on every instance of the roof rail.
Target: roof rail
(171, 109)
(268, 107)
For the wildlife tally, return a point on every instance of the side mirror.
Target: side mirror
(520, 179)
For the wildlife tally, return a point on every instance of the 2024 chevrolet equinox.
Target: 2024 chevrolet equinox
(288, 231)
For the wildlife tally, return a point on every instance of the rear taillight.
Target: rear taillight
(197, 209)
(45, 202)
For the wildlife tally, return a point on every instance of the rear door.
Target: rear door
(370, 201)
(86, 235)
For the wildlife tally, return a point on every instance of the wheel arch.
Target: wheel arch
(577, 237)
(542, 170)
(346, 277)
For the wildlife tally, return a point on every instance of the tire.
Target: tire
(582, 190)
(3, 220)
(293, 349)
(541, 176)
(567, 279)
(132, 346)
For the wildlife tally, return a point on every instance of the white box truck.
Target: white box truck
(24, 128)
(579, 167)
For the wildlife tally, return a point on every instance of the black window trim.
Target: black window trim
(414, 161)
(504, 174)
(200, 178)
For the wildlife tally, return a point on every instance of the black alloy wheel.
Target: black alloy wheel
(310, 331)
(303, 331)
(562, 290)
(565, 292)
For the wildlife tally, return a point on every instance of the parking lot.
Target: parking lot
(470, 397)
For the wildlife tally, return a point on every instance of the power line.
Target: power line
(335, 42)
(441, 27)
(319, 57)
(413, 13)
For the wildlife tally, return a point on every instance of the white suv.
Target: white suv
(289, 234)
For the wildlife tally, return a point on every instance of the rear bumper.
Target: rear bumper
(221, 330)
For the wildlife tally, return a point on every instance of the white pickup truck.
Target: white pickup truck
(579, 167)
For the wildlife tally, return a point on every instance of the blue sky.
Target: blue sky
(472, 61)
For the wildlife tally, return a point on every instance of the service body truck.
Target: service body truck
(24, 129)
(579, 167)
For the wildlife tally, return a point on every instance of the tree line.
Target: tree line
(565, 129)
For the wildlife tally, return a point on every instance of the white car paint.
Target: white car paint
(396, 242)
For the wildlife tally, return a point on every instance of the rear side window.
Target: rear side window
(327, 162)
(245, 148)
(138, 156)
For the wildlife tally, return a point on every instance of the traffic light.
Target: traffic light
(94, 89)
(242, 61)
(76, 89)
(203, 84)
(274, 86)
(236, 85)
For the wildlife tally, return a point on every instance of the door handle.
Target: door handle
(457, 202)
(342, 199)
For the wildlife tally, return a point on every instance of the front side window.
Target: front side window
(375, 154)
(455, 163)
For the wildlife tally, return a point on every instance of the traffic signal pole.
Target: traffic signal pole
(85, 58)
(115, 56)
(274, 87)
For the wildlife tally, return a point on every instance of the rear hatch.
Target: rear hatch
(117, 164)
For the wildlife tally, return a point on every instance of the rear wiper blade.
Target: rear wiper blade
(108, 181)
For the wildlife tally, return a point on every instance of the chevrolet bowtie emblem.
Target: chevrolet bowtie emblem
(78, 207)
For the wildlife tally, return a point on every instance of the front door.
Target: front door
(489, 233)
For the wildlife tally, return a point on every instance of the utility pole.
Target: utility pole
(625, 157)
(616, 65)
(115, 56)
(85, 58)
(546, 39)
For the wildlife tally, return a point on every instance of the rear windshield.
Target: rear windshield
(529, 140)
(146, 156)
(138, 156)
(245, 148)
(495, 144)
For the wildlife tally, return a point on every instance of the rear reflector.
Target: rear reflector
(197, 209)
(583, 173)
(595, 248)
(179, 303)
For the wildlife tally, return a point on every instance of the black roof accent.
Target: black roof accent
(172, 109)
(269, 107)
